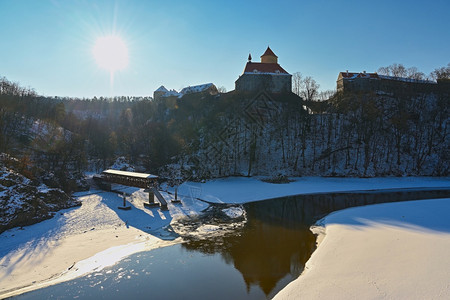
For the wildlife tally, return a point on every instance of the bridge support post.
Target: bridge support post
(151, 198)
(176, 200)
(124, 207)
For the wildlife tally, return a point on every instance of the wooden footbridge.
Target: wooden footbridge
(148, 182)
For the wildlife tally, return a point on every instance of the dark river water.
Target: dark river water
(249, 258)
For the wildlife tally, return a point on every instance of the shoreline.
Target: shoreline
(390, 250)
(77, 241)
(76, 256)
(249, 189)
(60, 248)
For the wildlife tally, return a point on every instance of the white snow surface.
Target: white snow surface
(196, 88)
(84, 239)
(172, 93)
(131, 174)
(97, 234)
(234, 212)
(122, 164)
(256, 72)
(385, 251)
(167, 93)
(406, 79)
(244, 189)
(161, 89)
(187, 90)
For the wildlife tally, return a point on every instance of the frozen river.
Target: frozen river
(247, 258)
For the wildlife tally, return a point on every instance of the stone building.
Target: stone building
(162, 92)
(373, 82)
(208, 88)
(266, 75)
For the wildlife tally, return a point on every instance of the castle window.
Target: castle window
(255, 71)
(277, 71)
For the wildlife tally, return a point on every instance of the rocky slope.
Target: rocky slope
(25, 202)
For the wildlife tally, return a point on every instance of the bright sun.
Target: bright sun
(111, 53)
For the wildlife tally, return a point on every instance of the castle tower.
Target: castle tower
(266, 75)
(269, 57)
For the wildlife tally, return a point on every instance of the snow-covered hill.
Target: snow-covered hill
(355, 136)
(25, 202)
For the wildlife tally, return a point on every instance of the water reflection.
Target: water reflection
(267, 253)
(275, 242)
(251, 257)
(273, 245)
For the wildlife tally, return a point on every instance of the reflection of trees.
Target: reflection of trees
(303, 210)
(264, 252)
(276, 240)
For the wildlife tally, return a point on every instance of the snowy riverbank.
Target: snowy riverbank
(384, 251)
(97, 234)
(244, 189)
(83, 239)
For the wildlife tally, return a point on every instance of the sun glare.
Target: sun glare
(111, 53)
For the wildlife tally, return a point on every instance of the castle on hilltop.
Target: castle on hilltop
(373, 82)
(266, 75)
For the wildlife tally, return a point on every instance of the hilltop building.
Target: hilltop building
(373, 82)
(202, 88)
(266, 75)
(162, 92)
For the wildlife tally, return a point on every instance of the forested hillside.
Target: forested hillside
(203, 136)
(349, 135)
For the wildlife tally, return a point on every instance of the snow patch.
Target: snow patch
(208, 228)
(389, 251)
(43, 189)
(196, 88)
(234, 212)
(122, 164)
(241, 190)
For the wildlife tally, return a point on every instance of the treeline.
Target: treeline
(307, 88)
(365, 134)
(354, 135)
(65, 136)
(312, 133)
(399, 70)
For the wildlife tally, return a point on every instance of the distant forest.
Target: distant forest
(200, 136)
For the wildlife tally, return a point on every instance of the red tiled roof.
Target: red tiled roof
(350, 75)
(269, 52)
(250, 67)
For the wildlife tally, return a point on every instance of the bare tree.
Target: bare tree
(306, 87)
(441, 73)
(310, 89)
(384, 71)
(222, 89)
(396, 70)
(399, 70)
(325, 95)
(297, 83)
(414, 73)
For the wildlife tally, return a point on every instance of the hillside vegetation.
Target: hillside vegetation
(348, 135)
(24, 201)
(202, 136)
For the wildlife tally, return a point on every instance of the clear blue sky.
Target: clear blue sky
(47, 44)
